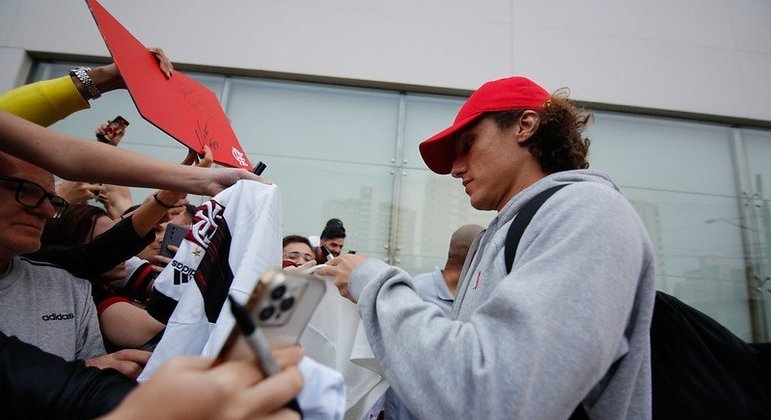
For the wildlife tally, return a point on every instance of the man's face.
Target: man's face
(335, 245)
(490, 164)
(21, 227)
(297, 252)
(154, 248)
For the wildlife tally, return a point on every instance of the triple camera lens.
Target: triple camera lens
(284, 305)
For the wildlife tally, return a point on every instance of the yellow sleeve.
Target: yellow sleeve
(44, 102)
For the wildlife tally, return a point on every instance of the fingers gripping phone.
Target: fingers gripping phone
(173, 236)
(281, 306)
(114, 128)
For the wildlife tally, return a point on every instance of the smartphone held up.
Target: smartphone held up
(279, 309)
(114, 128)
(173, 236)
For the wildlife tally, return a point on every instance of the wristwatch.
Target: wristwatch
(82, 74)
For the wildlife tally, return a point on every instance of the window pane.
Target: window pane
(329, 149)
(305, 120)
(425, 116)
(432, 207)
(357, 194)
(680, 179)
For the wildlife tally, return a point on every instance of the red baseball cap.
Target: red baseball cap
(510, 93)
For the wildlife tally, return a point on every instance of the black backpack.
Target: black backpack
(700, 369)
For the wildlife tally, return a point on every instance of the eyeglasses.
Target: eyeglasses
(297, 256)
(31, 195)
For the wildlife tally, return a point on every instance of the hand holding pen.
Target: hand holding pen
(257, 342)
(254, 338)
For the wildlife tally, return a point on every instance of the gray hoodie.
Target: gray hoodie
(569, 324)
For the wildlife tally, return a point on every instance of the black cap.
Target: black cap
(333, 229)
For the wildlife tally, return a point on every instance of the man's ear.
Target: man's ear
(528, 125)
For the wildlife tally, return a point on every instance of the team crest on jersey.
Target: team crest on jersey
(207, 217)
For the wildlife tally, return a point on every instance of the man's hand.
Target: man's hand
(129, 362)
(232, 390)
(217, 179)
(192, 158)
(160, 262)
(288, 356)
(340, 268)
(77, 192)
(163, 62)
(108, 77)
(116, 199)
(306, 265)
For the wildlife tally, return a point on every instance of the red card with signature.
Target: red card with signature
(180, 106)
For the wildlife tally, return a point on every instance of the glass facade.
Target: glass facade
(352, 153)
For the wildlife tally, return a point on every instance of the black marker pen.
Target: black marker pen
(254, 337)
(259, 168)
(259, 345)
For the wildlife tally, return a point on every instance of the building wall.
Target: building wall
(707, 57)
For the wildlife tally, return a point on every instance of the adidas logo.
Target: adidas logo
(58, 317)
(182, 273)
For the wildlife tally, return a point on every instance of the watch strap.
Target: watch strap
(82, 74)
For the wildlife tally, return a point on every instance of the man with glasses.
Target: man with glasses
(297, 250)
(32, 195)
(42, 304)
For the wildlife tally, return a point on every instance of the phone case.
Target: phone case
(281, 306)
(173, 236)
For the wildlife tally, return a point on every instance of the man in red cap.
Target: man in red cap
(562, 333)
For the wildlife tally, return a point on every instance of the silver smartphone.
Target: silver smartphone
(280, 306)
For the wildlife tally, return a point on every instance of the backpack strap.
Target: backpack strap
(513, 236)
(521, 221)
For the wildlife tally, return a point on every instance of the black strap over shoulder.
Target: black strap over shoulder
(521, 221)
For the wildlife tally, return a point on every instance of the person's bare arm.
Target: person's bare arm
(116, 199)
(128, 326)
(77, 192)
(108, 78)
(82, 160)
(129, 362)
(151, 211)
